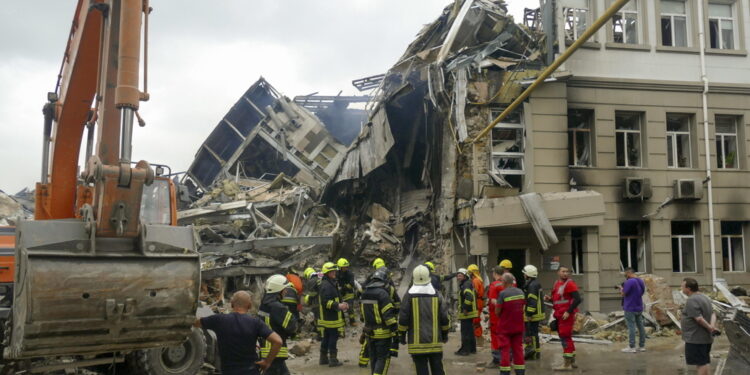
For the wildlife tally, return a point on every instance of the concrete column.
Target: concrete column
(591, 269)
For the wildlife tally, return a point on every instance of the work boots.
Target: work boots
(334, 361)
(323, 358)
(566, 366)
(573, 362)
(520, 371)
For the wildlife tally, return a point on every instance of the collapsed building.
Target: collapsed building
(603, 167)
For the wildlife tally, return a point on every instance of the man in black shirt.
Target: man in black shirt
(237, 334)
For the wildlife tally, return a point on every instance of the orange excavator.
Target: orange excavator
(102, 270)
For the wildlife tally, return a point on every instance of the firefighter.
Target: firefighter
(565, 300)
(534, 311)
(277, 316)
(330, 310)
(437, 280)
(299, 288)
(380, 319)
(478, 283)
(312, 288)
(494, 290)
(364, 352)
(510, 310)
(467, 311)
(290, 298)
(423, 324)
(346, 283)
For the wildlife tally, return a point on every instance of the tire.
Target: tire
(184, 359)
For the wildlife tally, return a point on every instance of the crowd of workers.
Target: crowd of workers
(419, 319)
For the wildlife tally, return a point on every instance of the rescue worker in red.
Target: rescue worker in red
(510, 310)
(476, 280)
(565, 300)
(494, 289)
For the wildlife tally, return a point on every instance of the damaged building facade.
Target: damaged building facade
(602, 168)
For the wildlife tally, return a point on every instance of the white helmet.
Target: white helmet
(530, 271)
(463, 271)
(421, 275)
(276, 283)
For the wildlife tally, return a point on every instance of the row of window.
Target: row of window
(629, 139)
(685, 253)
(676, 22)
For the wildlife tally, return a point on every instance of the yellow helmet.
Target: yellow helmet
(377, 263)
(328, 267)
(430, 265)
(309, 271)
(473, 268)
(342, 263)
(506, 264)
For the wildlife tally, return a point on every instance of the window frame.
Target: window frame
(735, 25)
(576, 263)
(688, 24)
(640, 244)
(679, 238)
(730, 255)
(720, 152)
(589, 131)
(521, 156)
(566, 17)
(641, 31)
(674, 134)
(625, 140)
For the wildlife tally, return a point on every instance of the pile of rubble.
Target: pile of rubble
(16, 207)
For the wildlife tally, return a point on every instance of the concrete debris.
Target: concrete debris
(17, 207)
(301, 348)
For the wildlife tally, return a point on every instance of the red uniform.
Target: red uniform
(479, 289)
(510, 303)
(561, 300)
(495, 288)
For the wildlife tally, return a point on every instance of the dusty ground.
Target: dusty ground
(663, 357)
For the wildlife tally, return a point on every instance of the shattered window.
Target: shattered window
(683, 247)
(732, 246)
(576, 250)
(508, 148)
(579, 137)
(628, 139)
(576, 19)
(625, 24)
(726, 142)
(721, 25)
(674, 24)
(678, 140)
(633, 245)
(155, 203)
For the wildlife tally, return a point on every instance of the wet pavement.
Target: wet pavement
(664, 356)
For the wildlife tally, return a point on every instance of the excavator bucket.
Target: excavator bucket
(76, 294)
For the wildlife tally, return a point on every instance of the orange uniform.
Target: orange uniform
(479, 289)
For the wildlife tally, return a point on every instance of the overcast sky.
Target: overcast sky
(203, 56)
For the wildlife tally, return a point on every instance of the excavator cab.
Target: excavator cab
(79, 294)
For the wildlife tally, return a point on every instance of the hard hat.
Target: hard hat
(530, 271)
(309, 271)
(463, 271)
(430, 265)
(276, 283)
(473, 268)
(381, 274)
(328, 267)
(342, 263)
(421, 275)
(377, 263)
(506, 264)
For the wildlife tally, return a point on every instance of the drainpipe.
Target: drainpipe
(704, 78)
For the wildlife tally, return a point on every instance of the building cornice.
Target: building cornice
(654, 85)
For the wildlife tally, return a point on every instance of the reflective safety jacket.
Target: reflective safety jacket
(290, 300)
(312, 288)
(438, 280)
(510, 306)
(534, 301)
(467, 301)
(378, 312)
(395, 299)
(329, 315)
(424, 320)
(345, 280)
(278, 317)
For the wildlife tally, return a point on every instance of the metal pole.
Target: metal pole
(616, 6)
(49, 114)
(704, 78)
(127, 135)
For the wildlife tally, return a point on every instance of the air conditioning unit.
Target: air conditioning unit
(636, 188)
(688, 189)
